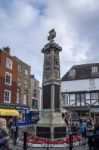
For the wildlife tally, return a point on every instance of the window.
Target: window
(7, 96)
(72, 72)
(78, 97)
(34, 93)
(78, 104)
(72, 103)
(25, 97)
(94, 69)
(35, 84)
(19, 67)
(26, 83)
(8, 78)
(34, 104)
(18, 95)
(82, 97)
(19, 79)
(8, 63)
(88, 102)
(65, 99)
(26, 71)
(91, 83)
(94, 95)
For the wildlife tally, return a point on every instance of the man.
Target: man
(96, 133)
(89, 134)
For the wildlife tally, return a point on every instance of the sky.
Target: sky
(25, 24)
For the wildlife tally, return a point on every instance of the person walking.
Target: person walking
(10, 126)
(82, 129)
(4, 138)
(96, 133)
(89, 135)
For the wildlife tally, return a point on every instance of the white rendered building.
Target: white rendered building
(80, 88)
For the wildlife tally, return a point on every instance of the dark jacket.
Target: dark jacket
(96, 133)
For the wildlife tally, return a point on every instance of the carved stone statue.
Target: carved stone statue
(52, 35)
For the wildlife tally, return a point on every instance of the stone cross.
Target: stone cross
(52, 35)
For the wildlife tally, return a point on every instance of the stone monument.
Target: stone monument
(51, 124)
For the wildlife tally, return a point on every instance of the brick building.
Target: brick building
(8, 77)
(23, 83)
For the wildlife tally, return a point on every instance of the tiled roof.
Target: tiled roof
(83, 71)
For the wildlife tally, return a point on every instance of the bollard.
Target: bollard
(14, 137)
(25, 141)
(70, 141)
(17, 130)
(47, 144)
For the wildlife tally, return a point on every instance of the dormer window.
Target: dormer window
(72, 72)
(94, 69)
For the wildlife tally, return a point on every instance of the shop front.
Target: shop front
(24, 115)
(8, 113)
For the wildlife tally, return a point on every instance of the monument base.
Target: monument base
(51, 125)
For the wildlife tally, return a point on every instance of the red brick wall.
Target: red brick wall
(14, 72)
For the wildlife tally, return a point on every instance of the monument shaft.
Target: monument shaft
(51, 124)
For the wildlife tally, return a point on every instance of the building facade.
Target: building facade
(8, 77)
(34, 102)
(40, 101)
(80, 88)
(23, 83)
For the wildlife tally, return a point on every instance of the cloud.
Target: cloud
(24, 26)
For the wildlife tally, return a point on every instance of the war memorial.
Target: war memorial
(51, 124)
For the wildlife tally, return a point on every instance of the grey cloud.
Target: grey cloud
(24, 26)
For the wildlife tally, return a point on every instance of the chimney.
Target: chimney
(32, 76)
(6, 49)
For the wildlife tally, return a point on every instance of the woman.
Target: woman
(3, 135)
(3, 139)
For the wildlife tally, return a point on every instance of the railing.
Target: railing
(4, 143)
(26, 140)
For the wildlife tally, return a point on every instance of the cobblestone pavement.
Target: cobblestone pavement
(19, 147)
(44, 148)
(31, 130)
